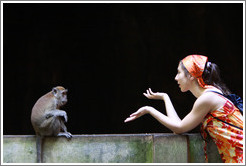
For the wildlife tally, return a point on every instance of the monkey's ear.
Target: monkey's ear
(54, 91)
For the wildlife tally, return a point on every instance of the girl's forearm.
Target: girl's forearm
(171, 113)
(170, 123)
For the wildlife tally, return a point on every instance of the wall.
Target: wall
(116, 148)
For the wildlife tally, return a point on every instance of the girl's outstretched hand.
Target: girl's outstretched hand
(140, 112)
(152, 95)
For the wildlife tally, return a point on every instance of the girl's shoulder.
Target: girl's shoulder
(211, 100)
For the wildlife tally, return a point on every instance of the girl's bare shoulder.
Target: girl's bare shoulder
(211, 100)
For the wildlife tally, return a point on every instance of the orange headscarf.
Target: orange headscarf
(195, 65)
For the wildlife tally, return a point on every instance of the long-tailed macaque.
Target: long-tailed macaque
(47, 118)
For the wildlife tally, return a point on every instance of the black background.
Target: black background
(108, 54)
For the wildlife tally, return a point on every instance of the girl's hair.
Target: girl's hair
(211, 76)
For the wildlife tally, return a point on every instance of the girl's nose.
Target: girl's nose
(176, 77)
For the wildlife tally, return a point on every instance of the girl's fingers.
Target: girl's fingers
(129, 119)
(147, 92)
(147, 95)
(150, 91)
(134, 114)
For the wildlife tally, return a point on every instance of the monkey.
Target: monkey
(47, 119)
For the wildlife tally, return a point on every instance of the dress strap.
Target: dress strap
(226, 122)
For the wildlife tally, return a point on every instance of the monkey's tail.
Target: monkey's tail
(39, 145)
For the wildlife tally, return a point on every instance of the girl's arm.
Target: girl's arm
(171, 113)
(200, 109)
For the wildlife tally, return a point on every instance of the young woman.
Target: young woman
(200, 77)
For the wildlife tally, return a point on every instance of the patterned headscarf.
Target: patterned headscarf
(195, 65)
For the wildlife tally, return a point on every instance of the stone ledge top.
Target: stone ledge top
(113, 135)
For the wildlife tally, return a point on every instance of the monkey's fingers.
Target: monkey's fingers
(70, 135)
(65, 118)
(66, 134)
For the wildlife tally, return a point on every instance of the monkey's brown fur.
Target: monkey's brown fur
(47, 118)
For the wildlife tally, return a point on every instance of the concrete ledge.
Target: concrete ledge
(19, 149)
(99, 149)
(112, 148)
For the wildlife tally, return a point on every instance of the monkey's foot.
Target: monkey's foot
(66, 134)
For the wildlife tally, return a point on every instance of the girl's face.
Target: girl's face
(184, 81)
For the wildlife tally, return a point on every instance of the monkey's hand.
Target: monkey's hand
(66, 134)
(65, 116)
(57, 113)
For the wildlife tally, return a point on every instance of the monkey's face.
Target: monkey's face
(60, 95)
(63, 97)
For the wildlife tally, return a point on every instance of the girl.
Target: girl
(200, 77)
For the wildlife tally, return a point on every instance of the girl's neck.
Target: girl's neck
(197, 90)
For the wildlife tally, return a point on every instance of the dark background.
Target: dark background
(107, 55)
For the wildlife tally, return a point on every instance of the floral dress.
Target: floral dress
(229, 139)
